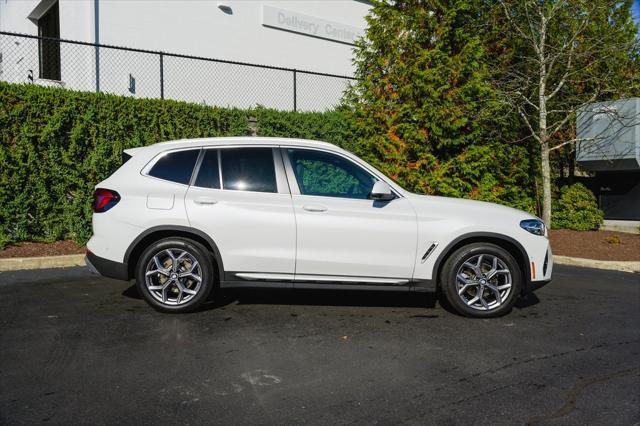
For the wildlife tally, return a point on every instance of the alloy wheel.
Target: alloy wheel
(483, 282)
(173, 276)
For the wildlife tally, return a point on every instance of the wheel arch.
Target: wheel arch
(509, 244)
(157, 233)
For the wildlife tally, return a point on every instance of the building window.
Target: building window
(49, 50)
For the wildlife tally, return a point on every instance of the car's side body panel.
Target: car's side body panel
(255, 232)
(115, 230)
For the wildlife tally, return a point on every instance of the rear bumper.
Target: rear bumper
(106, 267)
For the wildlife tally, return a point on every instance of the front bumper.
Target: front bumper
(106, 267)
(531, 286)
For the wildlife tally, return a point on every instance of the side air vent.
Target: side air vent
(546, 263)
(430, 250)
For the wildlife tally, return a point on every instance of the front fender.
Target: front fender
(430, 267)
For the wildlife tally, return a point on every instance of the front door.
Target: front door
(343, 235)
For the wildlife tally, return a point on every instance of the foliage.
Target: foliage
(424, 107)
(577, 209)
(552, 58)
(55, 145)
(612, 239)
(331, 126)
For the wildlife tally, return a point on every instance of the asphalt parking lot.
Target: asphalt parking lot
(76, 348)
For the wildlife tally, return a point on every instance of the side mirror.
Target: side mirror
(382, 191)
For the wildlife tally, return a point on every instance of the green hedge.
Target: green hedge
(332, 126)
(57, 144)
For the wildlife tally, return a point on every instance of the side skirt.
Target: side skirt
(426, 286)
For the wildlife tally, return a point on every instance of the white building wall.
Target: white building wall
(199, 28)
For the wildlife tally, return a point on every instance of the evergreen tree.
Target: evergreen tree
(425, 107)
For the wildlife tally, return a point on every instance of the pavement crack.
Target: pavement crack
(514, 364)
(572, 396)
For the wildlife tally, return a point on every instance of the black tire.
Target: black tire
(449, 281)
(176, 245)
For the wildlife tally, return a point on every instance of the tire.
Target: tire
(469, 273)
(178, 289)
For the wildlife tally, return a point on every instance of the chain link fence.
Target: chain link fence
(149, 74)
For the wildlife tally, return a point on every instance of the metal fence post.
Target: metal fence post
(96, 40)
(161, 75)
(295, 90)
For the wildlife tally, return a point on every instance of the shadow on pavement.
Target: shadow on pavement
(260, 296)
(526, 301)
(263, 296)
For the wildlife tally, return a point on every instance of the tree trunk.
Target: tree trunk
(542, 127)
(546, 183)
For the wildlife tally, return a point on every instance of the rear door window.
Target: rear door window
(176, 166)
(248, 169)
(209, 173)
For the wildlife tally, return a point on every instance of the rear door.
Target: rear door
(239, 196)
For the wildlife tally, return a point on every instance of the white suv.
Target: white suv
(184, 217)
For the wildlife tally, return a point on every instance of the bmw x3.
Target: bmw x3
(186, 217)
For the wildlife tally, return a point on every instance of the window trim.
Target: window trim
(293, 182)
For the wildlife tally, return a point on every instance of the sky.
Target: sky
(636, 11)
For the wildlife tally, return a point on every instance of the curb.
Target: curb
(44, 262)
(612, 265)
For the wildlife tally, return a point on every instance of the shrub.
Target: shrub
(577, 209)
(335, 127)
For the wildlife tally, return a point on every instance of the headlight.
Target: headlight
(535, 226)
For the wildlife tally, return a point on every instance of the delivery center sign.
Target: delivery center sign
(287, 20)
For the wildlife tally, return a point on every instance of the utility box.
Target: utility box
(609, 145)
(609, 136)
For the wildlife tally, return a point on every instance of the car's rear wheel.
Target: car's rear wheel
(481, 280)
(175, 275)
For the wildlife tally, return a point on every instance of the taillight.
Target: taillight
(104, 199)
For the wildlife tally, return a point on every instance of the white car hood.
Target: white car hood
(469, 211)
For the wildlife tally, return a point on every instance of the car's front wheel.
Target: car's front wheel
(481, 280)
(175, 275)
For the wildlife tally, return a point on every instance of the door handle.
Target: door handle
(205, 201)
(314, 208)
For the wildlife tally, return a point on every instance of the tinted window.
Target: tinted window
(248, 169)
(209, 173)
(175, 166)
(329, 175)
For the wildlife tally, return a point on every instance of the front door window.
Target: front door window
(329, 175)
